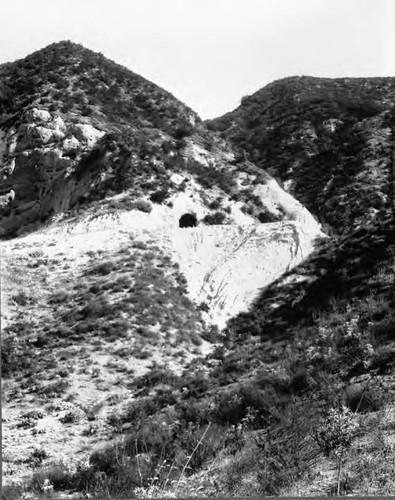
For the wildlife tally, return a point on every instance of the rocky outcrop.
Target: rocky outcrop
(39, 156)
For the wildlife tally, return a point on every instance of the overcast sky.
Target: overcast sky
(210, 53)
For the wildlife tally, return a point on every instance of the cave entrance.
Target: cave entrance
(188, 220)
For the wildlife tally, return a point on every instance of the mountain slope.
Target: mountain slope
(77, 127)
(330, 141)
(63, 99)
(211, 259)
(102, 170)
(132, 231)
(341, 269)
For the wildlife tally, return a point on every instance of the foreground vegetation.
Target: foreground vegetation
(307, 411)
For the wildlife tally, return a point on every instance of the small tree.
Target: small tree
(335, 434)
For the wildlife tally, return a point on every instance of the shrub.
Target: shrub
(58, 476)
(211, 334)
(140, 352)
(143, 206)
(215, 218)
(365, 398)
(103, 268)
(247, 209)
(215, 204)
(183, 131)
(21, 298)
(336, 431)
(266, 217)
(203, 306)
(54, 389)
(58, 297)
(384, 330)
(157, 375)
(141, 245)
(14, 356)
(38, 456)
(159, 196)
(285, 448)
(71, 416)
(28, 419)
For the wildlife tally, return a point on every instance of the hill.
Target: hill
(77, 128)
(329, 141)
(175, 322)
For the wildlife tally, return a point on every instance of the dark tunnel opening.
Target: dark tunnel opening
(188, 220)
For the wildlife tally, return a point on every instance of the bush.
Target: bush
(159, 196)
(143, 206)
(364, 399)
(12, 492)
(14, 356)
(103, 268)
(203, 306)
(54, 388)
(71, 416)
(215, 218)
(211, 334)
(183, 131)
(384, 330)
(337, 430)
(247, 209)
(58, 297)
(28, 419)
(285, 447)
(21, 298)
(265, 217)
(215, 204)
(38, 456)
(140, 245)
(55, 477)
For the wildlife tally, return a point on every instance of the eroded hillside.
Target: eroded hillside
(227, 266)
(132, 232)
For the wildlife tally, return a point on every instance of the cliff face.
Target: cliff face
(38, 159)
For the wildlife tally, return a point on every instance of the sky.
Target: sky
(211, 53)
